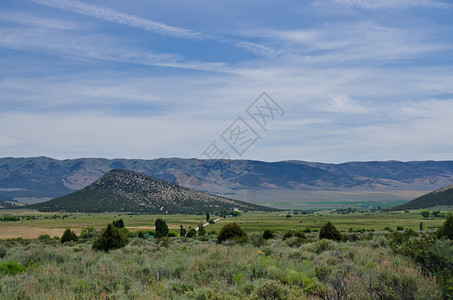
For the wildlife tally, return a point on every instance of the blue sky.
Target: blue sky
(357, 79)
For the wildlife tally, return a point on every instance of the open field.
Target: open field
(55, 224)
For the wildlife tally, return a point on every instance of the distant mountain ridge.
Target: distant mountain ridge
(129, 191)
(38, 179)
(440, 197)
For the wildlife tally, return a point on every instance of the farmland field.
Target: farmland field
(55, 223)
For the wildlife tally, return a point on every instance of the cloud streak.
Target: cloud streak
(120, 18)
(111, 15)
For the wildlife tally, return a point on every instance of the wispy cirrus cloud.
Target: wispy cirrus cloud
(115, 16)
(121, 18)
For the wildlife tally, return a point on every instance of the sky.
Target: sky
(344, 80)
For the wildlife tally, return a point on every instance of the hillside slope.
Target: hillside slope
(122, 190)
(441, 197)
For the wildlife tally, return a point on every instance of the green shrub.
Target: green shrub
(425, 214)
(230, 231)
(3, 251)
(191, 233)
(172, 234)
(267, 234)
(307, 230)
(446, 231)
(44, 237)
(11, 268)
(287, 235)
(399, 228)
(322, 246)
(300, 235)
(330, 232)
(110, 239)
(395, 286)
(88, 233)
(257, 240)
(69, 236)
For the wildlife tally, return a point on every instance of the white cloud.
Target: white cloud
(342, 103)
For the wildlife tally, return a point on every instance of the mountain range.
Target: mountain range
(123, 190)
(38, 179)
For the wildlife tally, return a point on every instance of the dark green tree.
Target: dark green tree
(425, 214)
(230, 231)
(267, 234)
(182, 231)
(68, 236)
(119, 223)
(330, 232)
(446, 230)
(161, 228)
(420, 226)
(111, 238)
(208, 216)
(201, 229)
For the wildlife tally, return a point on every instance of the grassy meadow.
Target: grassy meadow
(54, 224)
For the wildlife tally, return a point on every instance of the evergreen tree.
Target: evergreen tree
(329, 231)
(68, 236)
(230, 231)
(161, 228)
(208, 216)
(110, 239)
(267, 234)
(201, 229)
(182, 231)
(447, 228)
(119, 223)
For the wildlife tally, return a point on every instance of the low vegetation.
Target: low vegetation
(289, 264)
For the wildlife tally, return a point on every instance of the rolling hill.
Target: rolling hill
(122, 190)
(441, 197)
